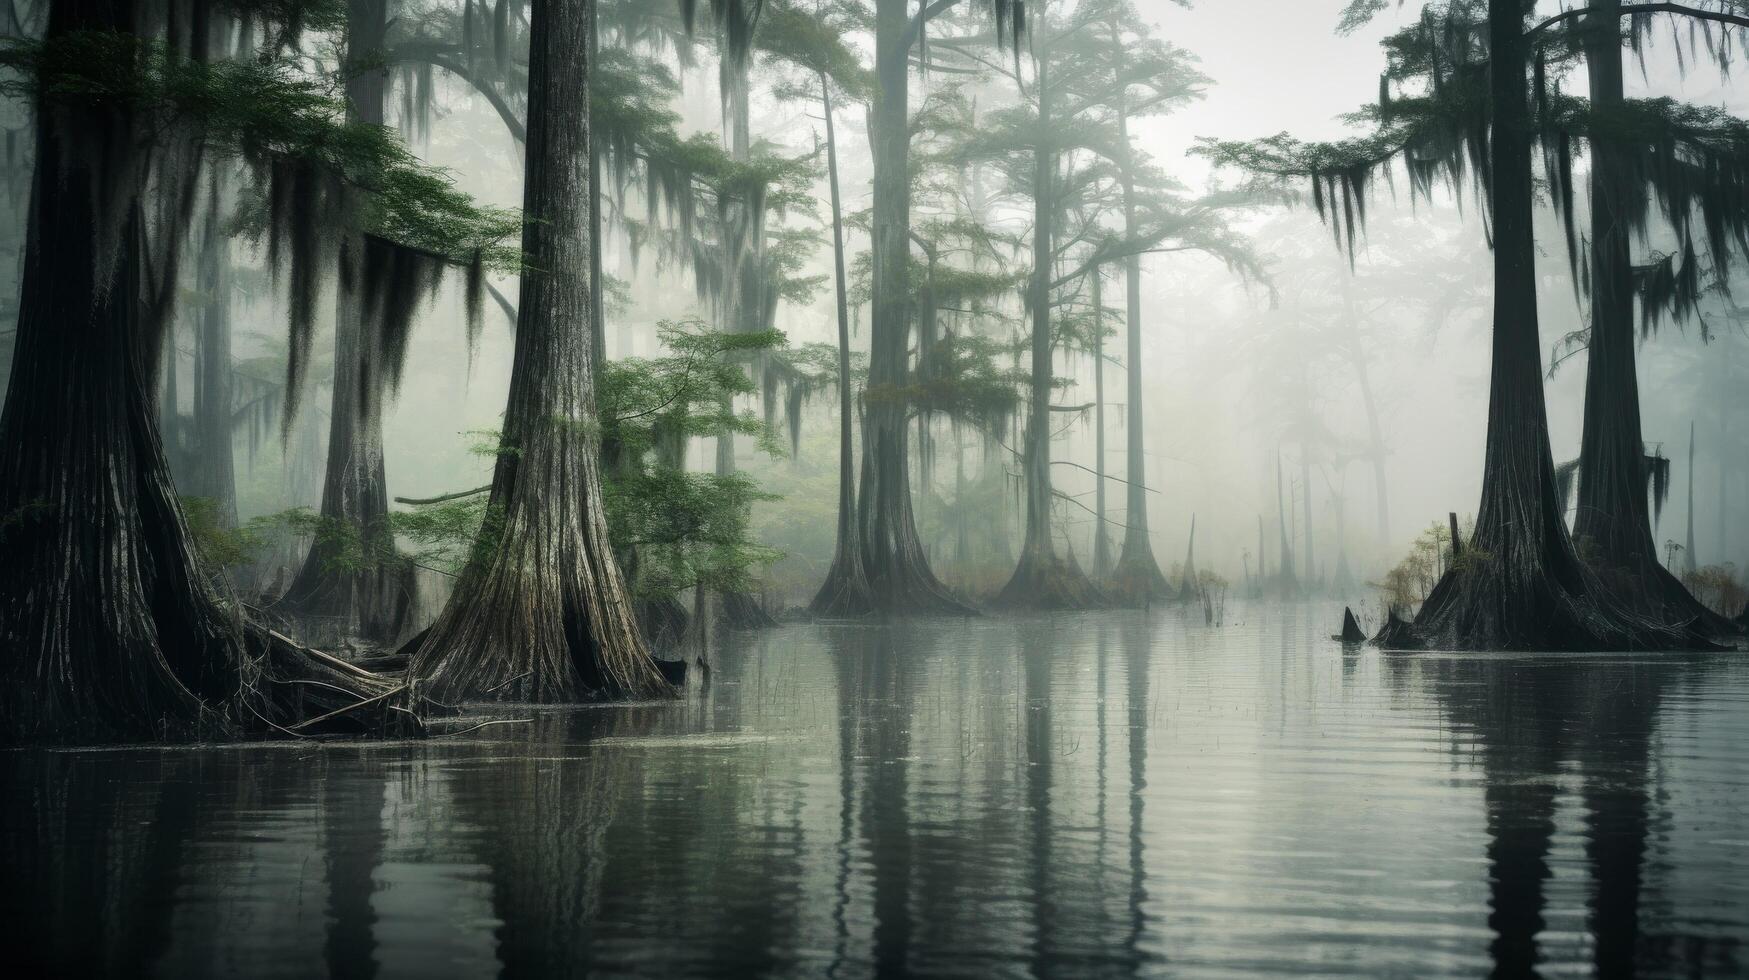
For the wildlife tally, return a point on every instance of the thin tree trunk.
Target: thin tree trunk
(898, 570)
(1043, 579)
(542, 613)
(212, 471)
(1101, 539)
(845, 591)
(1689, 562)
(1312, 578)
(1137, 578)
(1290, 586)
(372, 595)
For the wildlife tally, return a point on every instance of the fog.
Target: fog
(1235, 375)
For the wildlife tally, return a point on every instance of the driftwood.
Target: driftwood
(304, 692)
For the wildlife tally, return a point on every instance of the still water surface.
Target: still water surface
(1110, 795)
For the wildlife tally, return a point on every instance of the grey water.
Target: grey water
(1094, 795)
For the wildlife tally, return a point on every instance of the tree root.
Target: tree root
(1485, 605)
(1045, 581)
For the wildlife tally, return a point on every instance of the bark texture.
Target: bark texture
(107, 624)
(541, 613)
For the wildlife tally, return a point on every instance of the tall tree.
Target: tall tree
(1519, 583)
(1151, 78)
(107, 617)
(1612, 525)
(367, 589)
(896, 563)
(107, 622)
(541, 613)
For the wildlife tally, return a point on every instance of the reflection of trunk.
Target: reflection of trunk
(1043, 579)
(1613, 526)
(1520, 584)
(898, 571)
(109, 625)
(845, 591)
(370, 595)
(352, 848)
(1138, 709)
(1137, 577)
(541, 613)
(1036, 679)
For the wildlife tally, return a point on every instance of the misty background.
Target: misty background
(1240, 374)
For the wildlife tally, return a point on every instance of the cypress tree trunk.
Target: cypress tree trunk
(748, 291)
(212, 468)
(1137, 577)
(1043, 579)
(106, 622)
(845, 591)
(1613, 526)
(1101, 540)
(898, 570)
(541, 612)
(1290, 586)
(1519, 584)
(371, 596)
(1690, 564)
(1312, 578)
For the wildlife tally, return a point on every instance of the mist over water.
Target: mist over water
(1105, 795)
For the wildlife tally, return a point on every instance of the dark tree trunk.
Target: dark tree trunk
(371, 596)
(1520, 584)
(1613, 525)
(898, 570)
(1043, 579)
(107, 623)
(845, 591)
(1137, 578)
(541, 613)
(1690, 564)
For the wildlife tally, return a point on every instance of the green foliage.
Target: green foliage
(222, 546)
(1408, 583)
(269, 114)
(671, 529)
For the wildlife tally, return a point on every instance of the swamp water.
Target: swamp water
(1101, 795)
